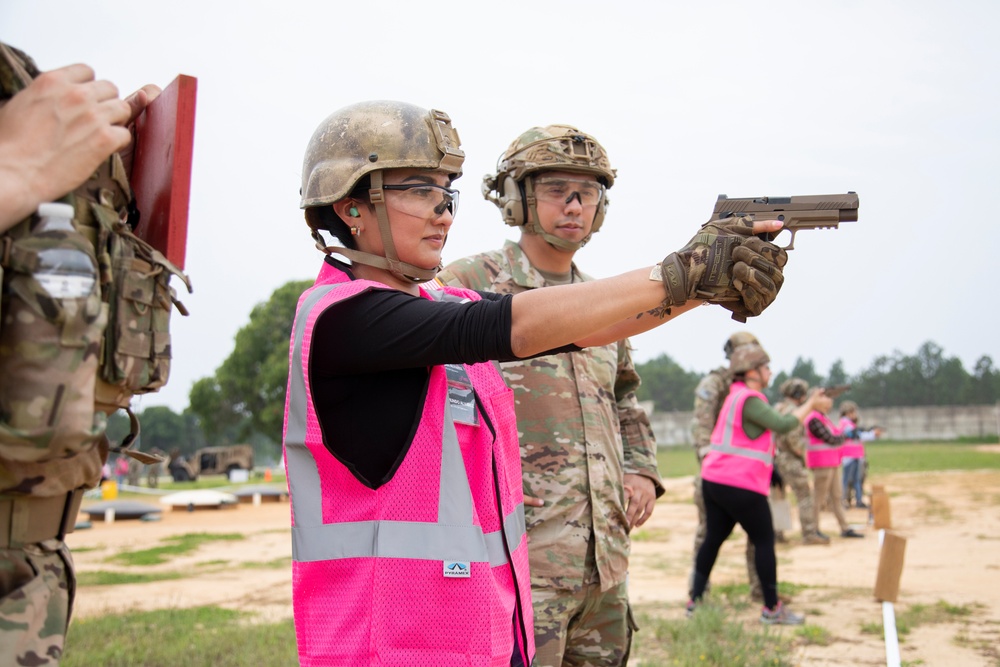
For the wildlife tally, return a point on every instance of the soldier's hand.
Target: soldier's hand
(54, 134)
(137, 103)
(531, 501)
(725, 263)
(640, 498)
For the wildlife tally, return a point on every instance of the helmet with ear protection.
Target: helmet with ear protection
(549, 148)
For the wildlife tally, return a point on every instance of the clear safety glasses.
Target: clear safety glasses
(563, 190)
(422, 200)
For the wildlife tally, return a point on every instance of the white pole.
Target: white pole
(889, 624)
(256, 500)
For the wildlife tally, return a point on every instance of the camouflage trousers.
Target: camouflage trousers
(794, 473)
(588, 627)
(37, 586)
(826, 489)
(699, 537)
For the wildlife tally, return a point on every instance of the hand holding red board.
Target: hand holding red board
(161, 170)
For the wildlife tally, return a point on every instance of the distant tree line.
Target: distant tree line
(925, 378)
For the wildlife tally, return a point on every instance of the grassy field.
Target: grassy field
(226, 638)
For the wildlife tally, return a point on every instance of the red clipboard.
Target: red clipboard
(161, 168)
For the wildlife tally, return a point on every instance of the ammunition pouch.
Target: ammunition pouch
(31, 520)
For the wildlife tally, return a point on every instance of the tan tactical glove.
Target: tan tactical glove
(726, 264)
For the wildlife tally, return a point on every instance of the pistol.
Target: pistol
(837, 390)
(798, 212)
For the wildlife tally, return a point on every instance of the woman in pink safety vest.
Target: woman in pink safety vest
(853, 461)
(400, 442)
(824, 447)
(736, 474)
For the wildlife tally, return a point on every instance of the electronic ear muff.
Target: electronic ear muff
(511, 200)
(353, 212)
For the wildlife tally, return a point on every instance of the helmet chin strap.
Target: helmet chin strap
(532, 226)
(391, 261)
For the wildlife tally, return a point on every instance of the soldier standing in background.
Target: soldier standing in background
(587, 450)
(790, 462)
(709, 396)
(60, 133)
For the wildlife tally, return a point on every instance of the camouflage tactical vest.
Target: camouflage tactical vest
(67, 363)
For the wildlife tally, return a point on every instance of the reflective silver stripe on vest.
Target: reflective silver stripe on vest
(405, 539)
(303, 477)
(727, 446)
(453, 538)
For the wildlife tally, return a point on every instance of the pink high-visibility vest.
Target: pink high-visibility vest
(733, 458)
(852, 449)
(430, 568)
(819, 454)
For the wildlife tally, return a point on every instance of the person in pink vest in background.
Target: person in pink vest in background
(824, 441)
(736, 476)
(409, 546)
(853, 460)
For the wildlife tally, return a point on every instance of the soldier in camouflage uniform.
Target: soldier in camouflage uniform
(588, 452)
(790, 462)
(59, 133)
(709, 396)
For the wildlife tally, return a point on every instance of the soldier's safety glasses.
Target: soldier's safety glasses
(563, 190)
(423, 200)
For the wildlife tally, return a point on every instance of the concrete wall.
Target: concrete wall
(944, 422)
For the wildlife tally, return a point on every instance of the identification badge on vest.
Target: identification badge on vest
(461, 395)
(456, 569)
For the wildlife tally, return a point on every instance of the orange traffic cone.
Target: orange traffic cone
(267, 474)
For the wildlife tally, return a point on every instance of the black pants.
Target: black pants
(725, 506)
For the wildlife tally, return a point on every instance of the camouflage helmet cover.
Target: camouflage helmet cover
(747, 357)
(737, 339)
(555, 148)
(549, 148)
(795, 388)
(369, 136)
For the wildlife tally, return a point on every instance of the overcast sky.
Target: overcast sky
(897, 101)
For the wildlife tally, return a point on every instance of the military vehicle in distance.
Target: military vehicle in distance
(212, 461)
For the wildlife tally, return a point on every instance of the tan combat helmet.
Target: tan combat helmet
(795, 388)
(747, 357)
(366, 139)
(549, 148)
(737, 339)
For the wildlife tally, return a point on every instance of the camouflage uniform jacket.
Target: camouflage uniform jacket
(792, 442)
(28, 468)
(580, 428)
(709, 396)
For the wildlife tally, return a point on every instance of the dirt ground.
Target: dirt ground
(951, 521)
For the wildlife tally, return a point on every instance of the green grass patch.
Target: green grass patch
(710, 637)
(175, 546)
(650, 535)
(676, 461)
(889, 457)
(276, 564)
(814, 634)
(196, 637)
(921, 614)
(111, 578)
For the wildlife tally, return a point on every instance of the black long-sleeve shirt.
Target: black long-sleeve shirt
(370, 364)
